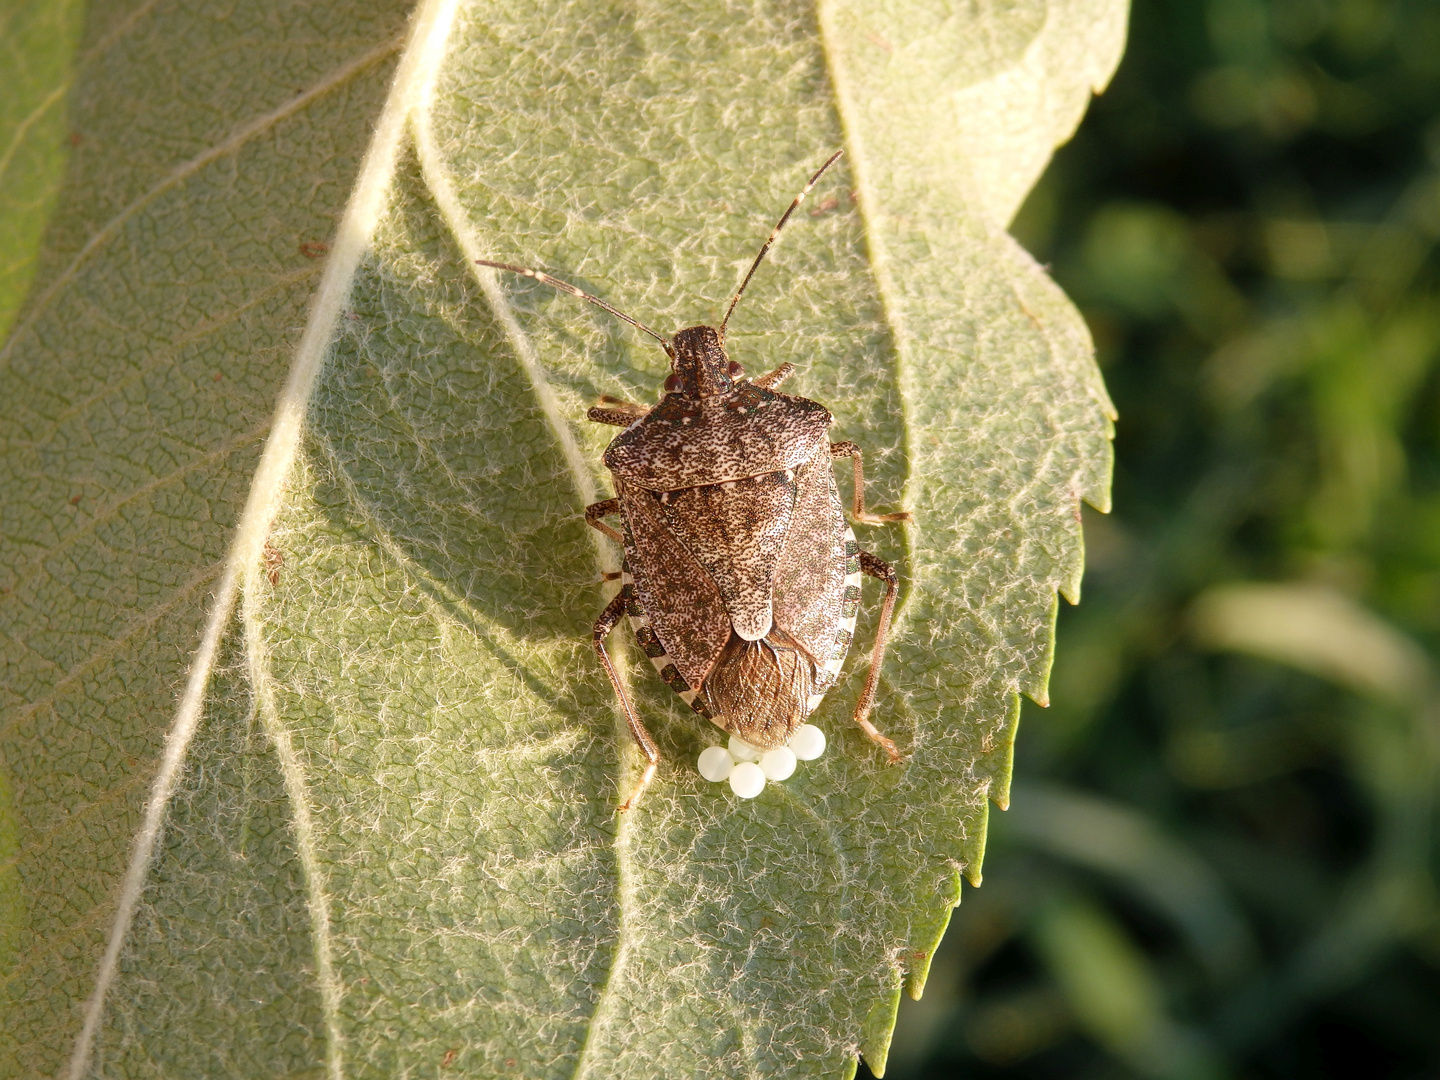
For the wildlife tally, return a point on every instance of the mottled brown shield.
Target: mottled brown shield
(810, 576)
(684, 442)
(679, 598)
(736, 530)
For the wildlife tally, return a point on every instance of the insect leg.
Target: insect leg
(772, 379)
(595, 511)
(850, 450)
(878, 568)
(614, 611)
(612, 415)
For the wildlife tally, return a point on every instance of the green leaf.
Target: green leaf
(37, 49)
(1116, 994)
(1318, 630)
(311, 767)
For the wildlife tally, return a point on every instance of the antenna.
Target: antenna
(774, 236)
(556, 283)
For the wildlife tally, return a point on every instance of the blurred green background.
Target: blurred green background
(1220, 859)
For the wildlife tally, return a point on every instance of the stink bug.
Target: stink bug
(741, 577)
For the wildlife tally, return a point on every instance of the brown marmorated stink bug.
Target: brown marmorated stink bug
(741, 577)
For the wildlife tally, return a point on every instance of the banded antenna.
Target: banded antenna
(563, 286)
(774, 235)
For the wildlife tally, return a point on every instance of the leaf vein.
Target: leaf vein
(152, 615)
(454, 215)
(297, 787)
(415, 75)
(18, 137)
(109, 513)
(166, 357)
(182, 172)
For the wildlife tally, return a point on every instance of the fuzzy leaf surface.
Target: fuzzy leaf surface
(376, 837)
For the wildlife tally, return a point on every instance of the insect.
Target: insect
(741, 577)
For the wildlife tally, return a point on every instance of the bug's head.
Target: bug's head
(699, 366)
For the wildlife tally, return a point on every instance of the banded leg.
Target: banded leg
(613, 613)
(772, 379)
(878, 568)
(850, 450)
(612, 410)
(595, 511)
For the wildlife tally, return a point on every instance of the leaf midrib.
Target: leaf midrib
(418, 65)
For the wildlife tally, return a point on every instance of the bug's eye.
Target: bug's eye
(735, 370)
(673, 382)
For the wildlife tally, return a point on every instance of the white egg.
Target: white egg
(778, 764)
(742, 750)
(715, 763)
(808, 742)
(746, 780)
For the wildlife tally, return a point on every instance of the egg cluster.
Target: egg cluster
(748, 768)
